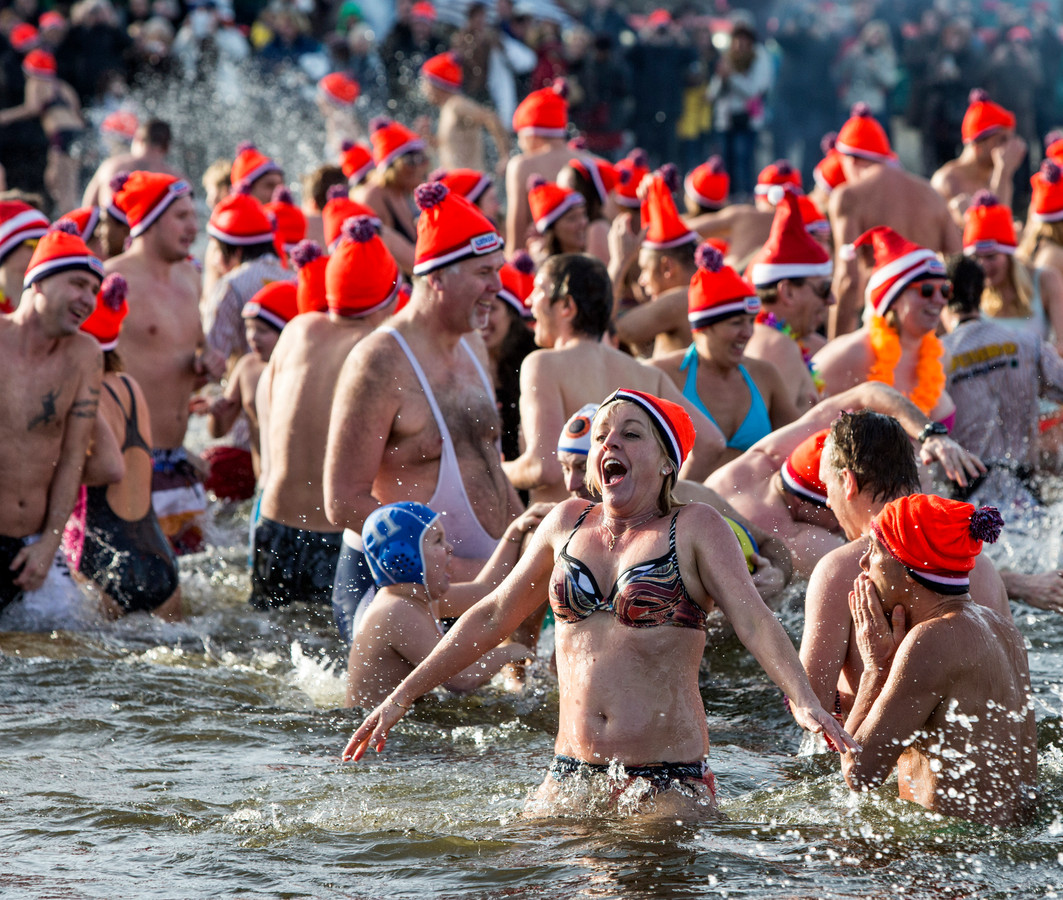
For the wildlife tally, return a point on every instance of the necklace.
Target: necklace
(769, 319)
(613, 537)
(929, 372)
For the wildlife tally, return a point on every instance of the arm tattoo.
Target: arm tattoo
(84, 409)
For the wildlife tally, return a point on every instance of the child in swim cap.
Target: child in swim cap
(408, 555)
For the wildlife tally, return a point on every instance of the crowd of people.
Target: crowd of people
(461, 401)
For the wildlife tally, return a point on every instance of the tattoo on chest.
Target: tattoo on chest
(47, 415)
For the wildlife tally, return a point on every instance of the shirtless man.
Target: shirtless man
(162, 342)
(151, 144)
(295, 546)
(52, 375)
(945, 691)
(414, 415)
(793, 504)
(878, 192)
(458, 140)
(792, 275)
(571, 302)
(991, 154)
(867, 461)
(541, 122)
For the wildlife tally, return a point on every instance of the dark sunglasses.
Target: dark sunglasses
(821, 290)
(927, 288)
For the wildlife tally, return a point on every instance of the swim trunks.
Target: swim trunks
(292, 564)
(178, 498)
(354, 587)
(684, 777)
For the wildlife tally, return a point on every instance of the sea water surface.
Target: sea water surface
(201, 759)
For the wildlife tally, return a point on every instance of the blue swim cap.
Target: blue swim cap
(392, 539)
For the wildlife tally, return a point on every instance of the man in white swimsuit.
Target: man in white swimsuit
(414, 415)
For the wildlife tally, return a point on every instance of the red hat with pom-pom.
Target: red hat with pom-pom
(800, 472)
(19, 222)
(812, 216)
(276, 304)
(121, 123)
(549, 201)
(105, 321)
(664, 228)
(1046, 205)
(898, 262)
(708, 184)
(141, 197)
(468, 183)
(717, 292)
(356, 160)
(239, 220)
(449, 229)
(862, 136)
(543, 112)
(23, 37)
(984, 117)
(602, 174)
(251, 164)
(310, 263)
(444, 71)
(988, 226)
(361, 277)
(780, 172)
(670, 419)
(936, 539)
(290, 222)
(39, 64)
(86, 218)
(790, 251)
(391, 140)
(339, 89)
(60, 250)
(338, 209)
(518, 281)
(637, 165)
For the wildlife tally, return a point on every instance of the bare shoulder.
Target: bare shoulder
(669, 363)
(846, 348)
(942, 180)
(835, 572)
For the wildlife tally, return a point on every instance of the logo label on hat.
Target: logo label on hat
(752, 304)
(485, 243)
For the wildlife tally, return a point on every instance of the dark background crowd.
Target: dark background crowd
(638, 74)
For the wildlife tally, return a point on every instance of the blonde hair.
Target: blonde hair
(1021, 281)
(1032, 235)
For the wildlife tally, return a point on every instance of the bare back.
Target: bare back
(518, 214)
(460, 137)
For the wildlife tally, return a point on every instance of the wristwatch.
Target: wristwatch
(932, 429)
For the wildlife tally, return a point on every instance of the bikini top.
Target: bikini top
(757, 422)
(645, 595)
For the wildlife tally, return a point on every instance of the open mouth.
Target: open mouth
(613, 471)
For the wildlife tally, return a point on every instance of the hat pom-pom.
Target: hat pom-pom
(535, 181)
(784, 167)
(244, 147)
(305, 252)
(430, 194)
(708, 258)
(847, 253)
(560, 87)
(986, 524)
(714, 165)
(523, 262)
(67, 226)
(775, 194)
(977, 95)
(281, 194)
(639, 159)
(1050, 172)
(347, 145)
(860, 110)
(118, 182)
(377, 123)
(984, 198)
(336, 192)
(827, 142)
(113, 291)
(670, 176)
(1053, 136)
(358, 229)
(623, 176)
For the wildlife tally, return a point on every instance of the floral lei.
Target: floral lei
(768, 318)
(929, 372)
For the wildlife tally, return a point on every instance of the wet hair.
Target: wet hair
(968, 282)
(316, 184)
(877, 450)
(112, 362)
(585, 279)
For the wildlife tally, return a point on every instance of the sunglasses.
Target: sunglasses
(927, 289)
(821, 290)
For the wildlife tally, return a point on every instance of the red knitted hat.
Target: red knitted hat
(468, 183)
(898, 262)
(717, 292)
(800, 472)
(444, 71)
(60, 251)
(984, 117)
(290, 227)
(602, 174)
(708, 184)
(250, 165)
(240, 221)
(988, 226)
(121, 123)
(660, 218)
(362, 277)
(22, 37)
(86, 218)
(670, 419)
(39, 63)
(338, 209)
(356, 160)
(310, 264)
(276, 304)
(549, 202)
(141, 197)
(790, 251)
(828, 173)
(391, 140)
(1047, 201)
(449, 229)
(543, 112)
(864, 137)
(51, 19)
(518, 280)
(105, 321)
(339, 89)
(936, 539)
(1054, 146)
(423, 10)
(779, 172)
(637, 165)
(19, 222)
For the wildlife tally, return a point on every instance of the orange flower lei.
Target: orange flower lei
(929, 372)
